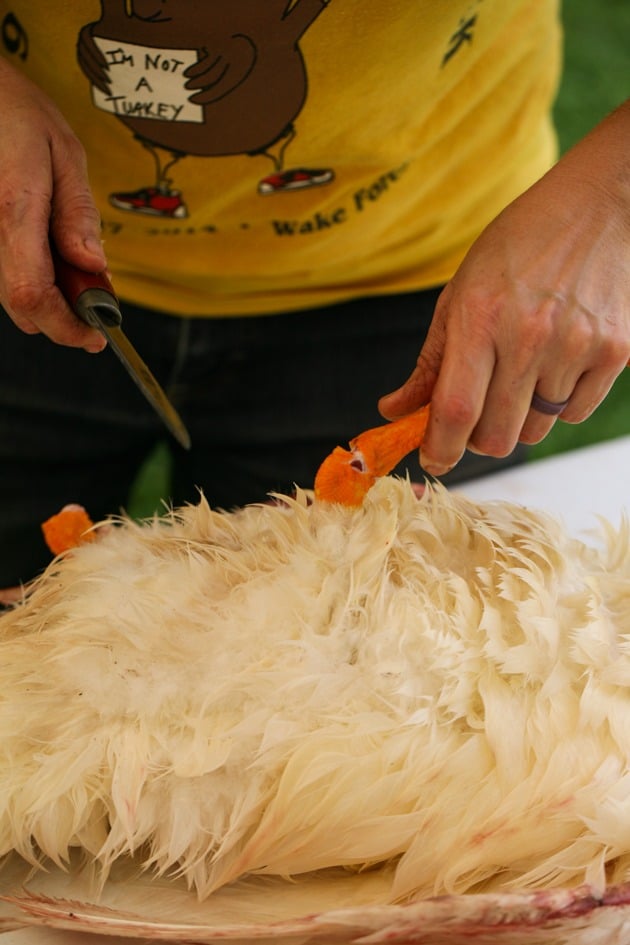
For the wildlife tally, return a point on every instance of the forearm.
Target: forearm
(601, 160)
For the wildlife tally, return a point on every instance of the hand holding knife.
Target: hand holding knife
(91, 296)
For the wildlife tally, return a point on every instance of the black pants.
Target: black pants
(265, 400)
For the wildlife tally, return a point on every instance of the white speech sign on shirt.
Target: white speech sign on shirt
(147, 82)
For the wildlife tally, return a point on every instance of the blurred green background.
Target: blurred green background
(596, 79)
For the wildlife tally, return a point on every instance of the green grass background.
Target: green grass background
(596, 79)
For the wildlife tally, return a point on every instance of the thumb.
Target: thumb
(75, 222)
(414, 393)
(418, 388)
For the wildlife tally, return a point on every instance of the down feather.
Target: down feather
(435, 687)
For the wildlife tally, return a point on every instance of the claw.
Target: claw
(346, 476)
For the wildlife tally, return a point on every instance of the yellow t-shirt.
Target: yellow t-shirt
(251, 156)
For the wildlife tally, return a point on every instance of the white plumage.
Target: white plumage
(434, 687)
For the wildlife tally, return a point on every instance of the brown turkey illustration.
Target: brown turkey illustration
(249, 77)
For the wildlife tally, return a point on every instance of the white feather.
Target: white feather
(434, 686)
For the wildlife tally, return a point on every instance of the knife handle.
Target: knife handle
(86, 293)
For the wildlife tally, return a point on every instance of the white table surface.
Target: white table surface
(577, 486)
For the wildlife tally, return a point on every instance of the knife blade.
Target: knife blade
(91, 296)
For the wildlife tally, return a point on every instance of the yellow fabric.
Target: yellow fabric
(428, 117)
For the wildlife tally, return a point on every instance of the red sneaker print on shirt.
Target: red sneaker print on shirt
(151, 200)
(294, 180)
(202, 80)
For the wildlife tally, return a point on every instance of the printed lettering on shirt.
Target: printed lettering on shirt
(14, 36)
(210, 80)
(145, 82)
(462, 36)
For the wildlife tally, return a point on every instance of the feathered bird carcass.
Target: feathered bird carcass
(301, 722)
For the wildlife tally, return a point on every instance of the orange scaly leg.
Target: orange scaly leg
(345, 476)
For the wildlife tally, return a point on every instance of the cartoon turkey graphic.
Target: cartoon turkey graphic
(188, 77)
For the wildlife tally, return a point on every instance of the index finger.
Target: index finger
(457, 403)
(33, 300)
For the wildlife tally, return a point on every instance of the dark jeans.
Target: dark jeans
(265, 400)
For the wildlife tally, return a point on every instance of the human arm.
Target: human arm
(44, 193)
(540, 303)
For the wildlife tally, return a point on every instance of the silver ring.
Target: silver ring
(547, 406)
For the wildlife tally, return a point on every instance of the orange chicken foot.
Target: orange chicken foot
(346, 476)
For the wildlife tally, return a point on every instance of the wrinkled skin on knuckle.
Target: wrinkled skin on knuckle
(531, 437)
(614, 350)
(576, 334)
(79, 206)
(481, 324)
(424, 374)
(583, 339)
(68, 151)
(492, 443)
(73, 148)
(455, 411)
(538, 326)
(71, 172)
(537, 337)
(496, 438)
(25, 299)
(475, 310)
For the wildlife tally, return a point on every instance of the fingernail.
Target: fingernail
(433, 468)
(95, 246)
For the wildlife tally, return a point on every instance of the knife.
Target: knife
(91, 296)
